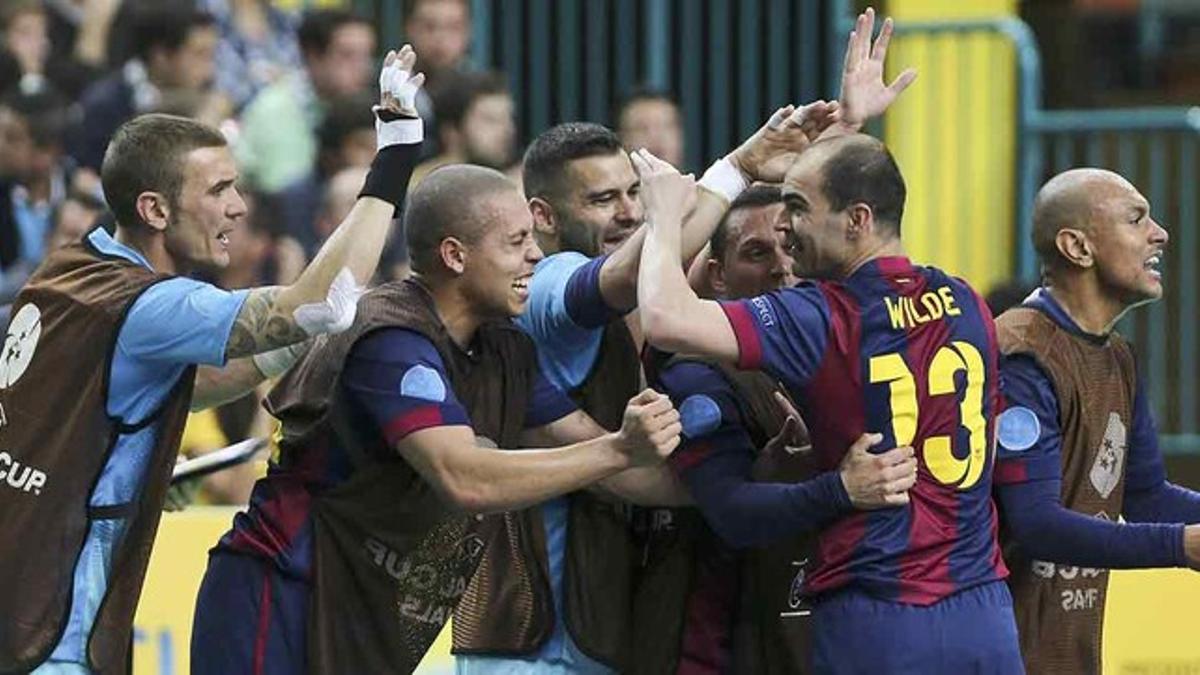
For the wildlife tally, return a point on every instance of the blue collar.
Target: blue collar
(106, 244)
(1042, 300)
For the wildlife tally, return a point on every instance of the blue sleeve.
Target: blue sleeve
(561, 316)
(399, 379)
(547, 403)
(1045, 530)
(783, 332)
(1148, 495)
(1028, 435)
(715, 460)
(180, 320)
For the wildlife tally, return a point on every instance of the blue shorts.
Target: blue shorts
(249, 619)
(971, 632)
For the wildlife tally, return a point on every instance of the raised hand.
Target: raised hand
(878, 481)
(650, 430)
(397, 84)
(667, 196)
(864, 94)
(767, 155)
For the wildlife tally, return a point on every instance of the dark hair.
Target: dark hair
(345, 116)
(547, 157)
(641, 94)
(166, 26)
(444, 204)
(1006, 295)
(84, 199)
(458, 94)
(318, 26)
(754, 197)
(45, 112)
(147, 154)
(864, 171)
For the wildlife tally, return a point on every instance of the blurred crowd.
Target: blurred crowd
(293, 93)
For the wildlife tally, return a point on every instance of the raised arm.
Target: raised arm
(323, 299)
(763, 157)
(864, 93)
(674, 318)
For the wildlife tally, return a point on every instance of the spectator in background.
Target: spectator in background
(651, 119)
(257, 47)
(81, 28)
(440, 31)
(475, 124)
(32, 127)
(346, 137)
(174, 50)
(77, 214)
(278, 144)
(32, 64)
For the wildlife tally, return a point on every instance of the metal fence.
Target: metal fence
(730, 62)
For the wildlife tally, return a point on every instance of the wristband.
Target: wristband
(390, 172)
(724, 180)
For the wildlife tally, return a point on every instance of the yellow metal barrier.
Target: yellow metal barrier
(1151, 622)
(953, 134)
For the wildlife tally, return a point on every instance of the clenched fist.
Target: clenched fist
(650, 430)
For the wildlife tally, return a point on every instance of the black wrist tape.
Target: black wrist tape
(390, 172)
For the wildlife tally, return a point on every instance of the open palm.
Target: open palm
(864, 93)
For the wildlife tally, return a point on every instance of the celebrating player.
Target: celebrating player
(1077, 443)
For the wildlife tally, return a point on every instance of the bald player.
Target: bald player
(360, 541)
(1078, 446)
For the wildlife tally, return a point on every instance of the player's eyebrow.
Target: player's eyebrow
(795, 201)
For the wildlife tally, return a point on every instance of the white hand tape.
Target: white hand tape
(337, 312)
(724, 179)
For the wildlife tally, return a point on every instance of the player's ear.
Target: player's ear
(1074, 247)
(154, 209)
(544, 222)
(862, 221)
(716, 276)
(453, 254)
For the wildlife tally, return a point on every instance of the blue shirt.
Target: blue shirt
(565, 316)
(173, 324)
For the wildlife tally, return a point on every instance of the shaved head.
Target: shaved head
(453, 201)
(1074, 199)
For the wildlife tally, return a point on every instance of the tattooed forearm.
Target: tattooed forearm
(262, 325)
(217, 386)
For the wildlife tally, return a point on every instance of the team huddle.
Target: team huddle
(625, 422)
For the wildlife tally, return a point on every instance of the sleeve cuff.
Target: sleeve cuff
(749, 345)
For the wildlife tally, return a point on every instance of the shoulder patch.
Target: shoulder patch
(423, 382)
(699, 415)
(1018, 429)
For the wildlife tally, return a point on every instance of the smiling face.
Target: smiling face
(499, 264)
(601, 207)
(756, 257)
(207, 212)
(819, 243)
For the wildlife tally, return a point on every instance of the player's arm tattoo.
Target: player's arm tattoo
(262, 325)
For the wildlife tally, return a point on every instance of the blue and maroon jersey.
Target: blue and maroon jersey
(396, 384)
(908, 352)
